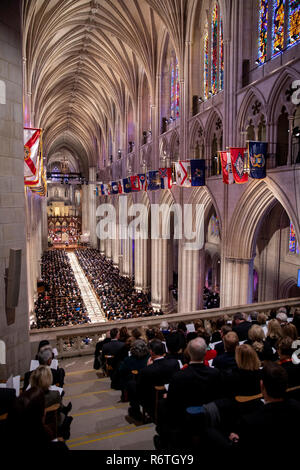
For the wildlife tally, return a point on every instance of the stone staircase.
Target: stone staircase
(98, 415)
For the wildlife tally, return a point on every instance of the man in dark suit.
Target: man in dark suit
(116, 349)
(45, 357)
(277, 420)
(227, 360)
(285, 352)
(159, 372)
(241, 326)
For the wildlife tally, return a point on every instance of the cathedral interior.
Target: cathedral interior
(116, 90)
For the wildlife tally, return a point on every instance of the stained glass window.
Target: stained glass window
(221, 65)
(175, 89)
(278, 26)
(214, 49)
(215, 226)
(206, 65)
(293, 244)
(294, 22)
(263, 31)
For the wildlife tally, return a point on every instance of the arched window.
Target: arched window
(294, 22)
(293, 244)
(175, 89)
(278, 26)
(206, 65)
(263, 31)
(213, 54)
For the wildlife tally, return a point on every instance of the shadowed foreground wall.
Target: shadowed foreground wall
(12, 200)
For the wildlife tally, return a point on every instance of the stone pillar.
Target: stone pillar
(141, 262)
(12, 200)
(236, 287)
(290, 148)
(44, 224)
(85, 227)
(190, 287)
(159, 275)
(92, 206)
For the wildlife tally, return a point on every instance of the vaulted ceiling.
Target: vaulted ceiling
(84, 57)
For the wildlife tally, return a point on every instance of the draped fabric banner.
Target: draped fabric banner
(31, 151)
(143, 181)
(114, 187)
(120, 187)
(257, 159)
(238, 156)
(198, 172)
(153, 180)
(226, 167)
(135, 183)
(126, 185)
(183, 177)
(34, 171)
(166, 178)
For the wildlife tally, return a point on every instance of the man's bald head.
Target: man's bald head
(196, 349)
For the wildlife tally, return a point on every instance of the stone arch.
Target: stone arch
(253, 205)
(197, 140)
(214, 139)
(286, 286)
(174, 146)
(252, 111)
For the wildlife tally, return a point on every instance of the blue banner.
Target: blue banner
(127, 185)
(257, 159)
(153, 180)
(114, 187)
(198, 172)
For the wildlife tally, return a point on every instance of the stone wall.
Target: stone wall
(12, 200)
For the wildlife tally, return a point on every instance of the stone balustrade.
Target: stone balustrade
(80, 340)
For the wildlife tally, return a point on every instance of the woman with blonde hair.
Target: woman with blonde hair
(274, 334)
(256, 339)
(245, 379)
(42, 378)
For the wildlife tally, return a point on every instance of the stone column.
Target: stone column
(237, 283)
(85, 227)
(290, 148)
(141, 262)
(92, 206)
(190, 288)
(160, 276)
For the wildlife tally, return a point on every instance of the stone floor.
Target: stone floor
(99, 416)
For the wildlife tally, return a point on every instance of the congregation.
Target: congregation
(60, 304)
(118, 297)
(194, 382)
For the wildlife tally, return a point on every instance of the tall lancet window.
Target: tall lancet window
(175, 89)
(206, 65)
(214, 49)
(263, 31)
(294, 22)
(278, 26)
(213, 54)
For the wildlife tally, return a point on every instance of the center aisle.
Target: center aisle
(90, 300)
(98, 416)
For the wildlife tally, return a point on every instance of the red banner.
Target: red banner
(238, 156)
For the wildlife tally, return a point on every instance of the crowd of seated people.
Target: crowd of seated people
(189, 380)
(61, 303)
(211, 298)
(27, 422)
(118, 297)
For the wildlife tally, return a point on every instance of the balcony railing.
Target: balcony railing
(82, 339)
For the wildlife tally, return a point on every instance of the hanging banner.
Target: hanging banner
(182, 170)
(153, 180)
(226, 167)
(238, 158)
(198, 172)
(135, 183)
(257, 159)
(114, 187)
(166, 178)
(126, 185)
(143, 181)
(31, 151)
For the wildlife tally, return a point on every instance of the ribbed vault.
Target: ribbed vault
(85, 59)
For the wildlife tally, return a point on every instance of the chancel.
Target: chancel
(149, 226)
